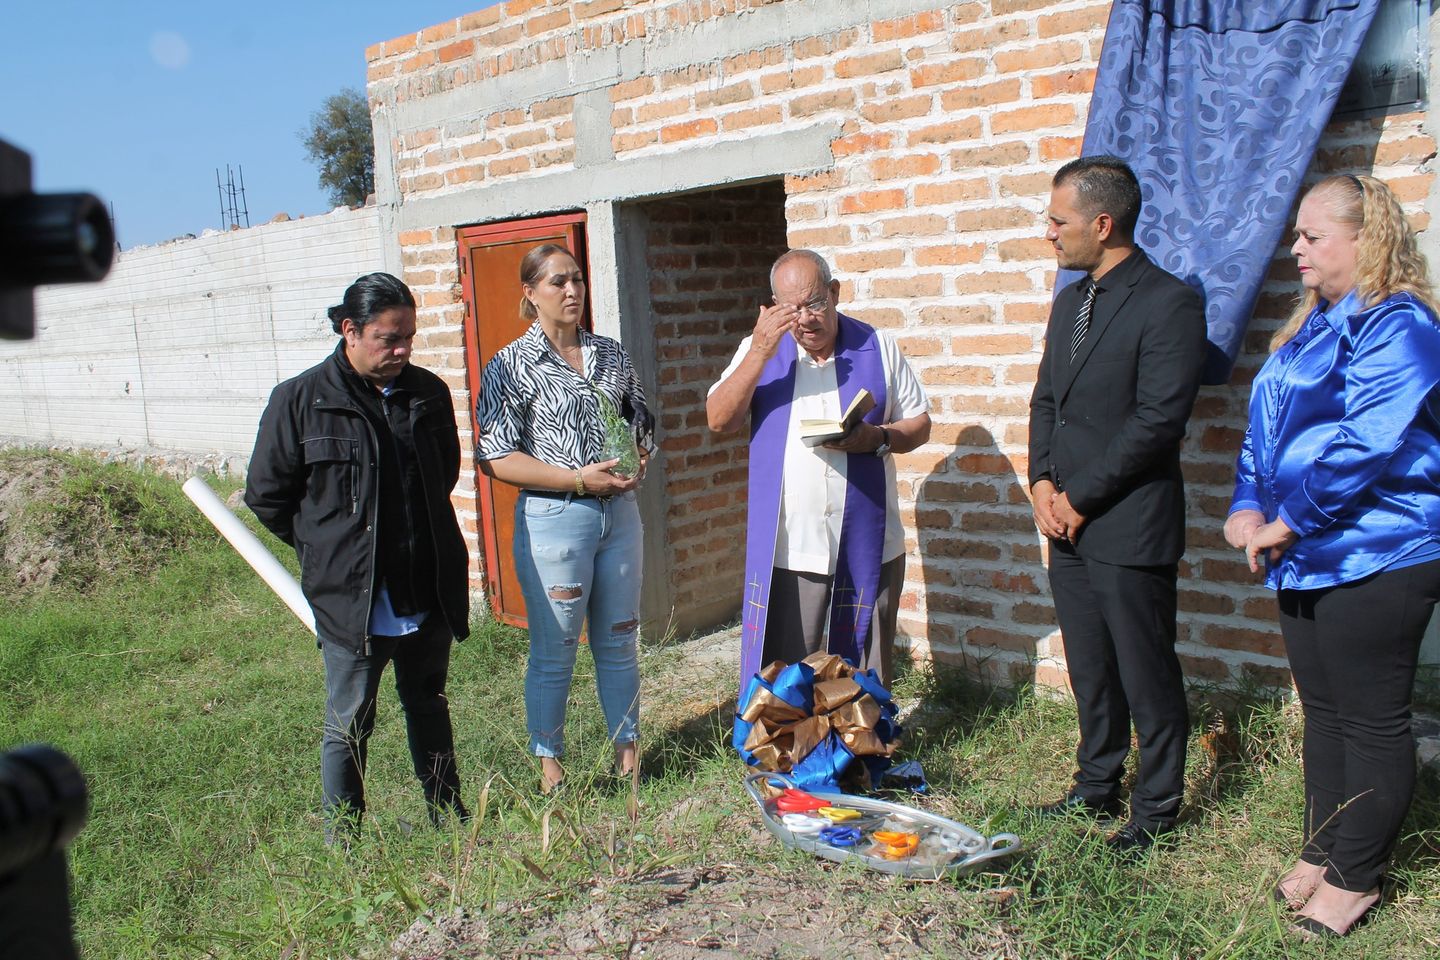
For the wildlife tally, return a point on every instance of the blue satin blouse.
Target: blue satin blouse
(1344, 442)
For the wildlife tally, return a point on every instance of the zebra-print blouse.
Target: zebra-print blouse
(531, 401)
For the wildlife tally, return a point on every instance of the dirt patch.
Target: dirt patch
(730, 912)
(71, 520)
(29, 555)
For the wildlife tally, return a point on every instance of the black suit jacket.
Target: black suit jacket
(1107, 428)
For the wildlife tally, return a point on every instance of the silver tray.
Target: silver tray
(973, 849)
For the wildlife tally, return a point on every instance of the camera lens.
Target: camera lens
(54, 238)
(43, 805)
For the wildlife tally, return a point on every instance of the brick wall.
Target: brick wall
(709, 257)
(172, 357)
(943, 124)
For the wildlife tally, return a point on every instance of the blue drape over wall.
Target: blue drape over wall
(1218, 105)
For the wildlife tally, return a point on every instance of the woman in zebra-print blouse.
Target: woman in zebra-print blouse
(577, 527)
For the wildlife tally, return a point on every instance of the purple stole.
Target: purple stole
(862, 527)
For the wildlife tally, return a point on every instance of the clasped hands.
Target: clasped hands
(1247, 530)
(1054, 516)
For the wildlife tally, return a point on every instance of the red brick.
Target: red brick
(956, 71)
(989, 37)
(546, 22)
(728, 94)
(457, 50)
(929, 22)
(1265, 642)
(688, 131)
(1059, 148)
(1026, 249)
(967, 128)
(1000, 639)
(923, 225)
(983, 158)
(865, 66)
(1074, 21)
(633, 141)
(758, 116)
(995, 218)
(905, 108)
(866, 260)
(441, 31)
(872, 200)
(814, 103)
(509, 165)
(951, 191)
(950, 255)
(1002, 7)
(920, 346)
(419, 61)
(661, 110)
(1045, 116)
(1038, 57)
(971, 96)
(1070, 81)
(631, 89)
(950, 316)
(860, 143)
(820, 237)
(481, 18)
(998, 344)
(814, 182)
(791, 79)
(920, 285)
(983, 283)
(912, 165)
(585, 9)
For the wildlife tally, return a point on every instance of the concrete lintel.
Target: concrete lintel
(718, 39)
(702, 167)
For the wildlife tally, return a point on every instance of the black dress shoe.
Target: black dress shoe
(1132, 840)
(1072, 805)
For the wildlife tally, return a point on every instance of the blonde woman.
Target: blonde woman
(577, 525)
(1338, 493)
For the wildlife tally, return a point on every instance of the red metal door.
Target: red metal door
(490, 258)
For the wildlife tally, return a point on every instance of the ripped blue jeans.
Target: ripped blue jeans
(578, 559)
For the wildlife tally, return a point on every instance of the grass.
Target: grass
(191, 699)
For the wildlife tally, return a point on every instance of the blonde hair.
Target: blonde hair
(1387, 258)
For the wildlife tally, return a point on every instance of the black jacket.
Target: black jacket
(314, 481)
(1107, 428)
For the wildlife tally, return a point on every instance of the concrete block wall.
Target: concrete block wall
(916, 140)
(171, 358)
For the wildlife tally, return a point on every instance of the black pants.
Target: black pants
(1353, 651)
(1118, 627)
(352, 685)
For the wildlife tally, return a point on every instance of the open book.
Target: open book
(815, 432)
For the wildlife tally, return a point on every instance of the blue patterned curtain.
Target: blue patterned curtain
(1218, 105)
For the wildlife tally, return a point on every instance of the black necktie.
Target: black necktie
(1082, 319)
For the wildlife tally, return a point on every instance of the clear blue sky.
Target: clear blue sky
(138, 101)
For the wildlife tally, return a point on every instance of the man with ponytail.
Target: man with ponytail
(353, 467)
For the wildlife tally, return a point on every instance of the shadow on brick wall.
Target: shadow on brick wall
(983, 590)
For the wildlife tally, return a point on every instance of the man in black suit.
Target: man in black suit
(1115, 387)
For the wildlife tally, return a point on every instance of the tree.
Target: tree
(339, 140)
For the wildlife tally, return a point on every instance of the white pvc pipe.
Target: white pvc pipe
(250, 547)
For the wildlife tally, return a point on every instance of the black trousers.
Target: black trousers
(352, 686)
(1353, 650)
(1118, 627)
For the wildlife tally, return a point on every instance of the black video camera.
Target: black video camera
(43, 805)
(44, 238)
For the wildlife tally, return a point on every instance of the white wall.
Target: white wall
(177, 350)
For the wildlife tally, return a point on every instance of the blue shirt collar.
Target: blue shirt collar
(1337, 313)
